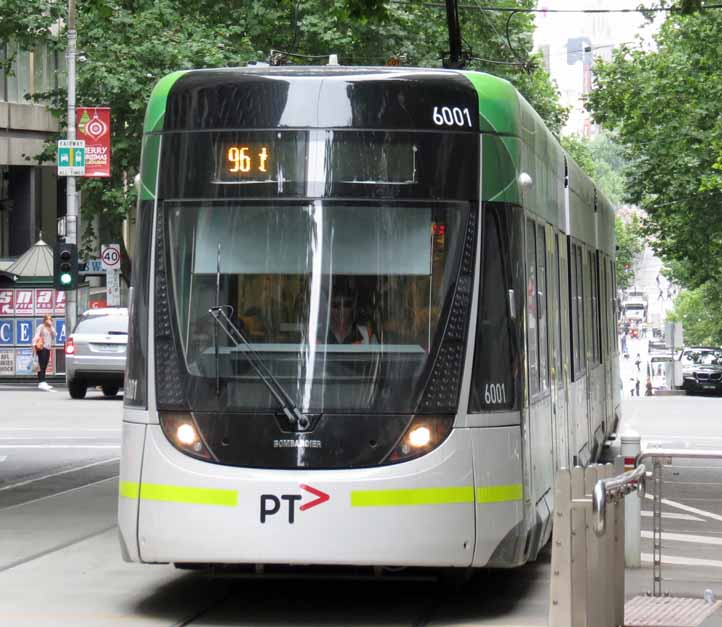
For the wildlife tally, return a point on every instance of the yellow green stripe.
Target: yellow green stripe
(179, 494)
(412, 496)
(129, 490)
(500, 493)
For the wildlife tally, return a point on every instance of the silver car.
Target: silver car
(95, 351)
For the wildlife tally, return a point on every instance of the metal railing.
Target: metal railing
(663, 457)
(587, 583)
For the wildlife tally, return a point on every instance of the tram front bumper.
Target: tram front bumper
(418, 513)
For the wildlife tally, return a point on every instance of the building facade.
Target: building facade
(32, 198)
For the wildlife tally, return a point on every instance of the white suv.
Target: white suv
(95, 351)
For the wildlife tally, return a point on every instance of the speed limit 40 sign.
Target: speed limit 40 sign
(110, 256)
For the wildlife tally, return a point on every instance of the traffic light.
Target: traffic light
(65, 266)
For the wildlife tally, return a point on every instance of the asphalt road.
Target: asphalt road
(60, 563)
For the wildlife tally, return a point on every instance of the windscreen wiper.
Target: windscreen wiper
(295, 416)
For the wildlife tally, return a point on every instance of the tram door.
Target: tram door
(557, 316)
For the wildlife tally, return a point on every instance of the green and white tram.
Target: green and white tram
(372, 311)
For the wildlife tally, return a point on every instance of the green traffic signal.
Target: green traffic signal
(65, 266)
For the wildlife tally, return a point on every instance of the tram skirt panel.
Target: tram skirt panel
(130, 466)
(418, 513)
(500, 532)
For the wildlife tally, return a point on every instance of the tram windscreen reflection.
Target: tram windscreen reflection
(342, 301)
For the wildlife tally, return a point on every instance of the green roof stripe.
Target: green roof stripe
(156, 105)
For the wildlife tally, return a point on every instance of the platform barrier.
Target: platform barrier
(658, 458)
(587, 581)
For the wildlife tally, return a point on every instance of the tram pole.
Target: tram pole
(71, 214)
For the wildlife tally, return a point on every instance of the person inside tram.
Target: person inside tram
(348, 324)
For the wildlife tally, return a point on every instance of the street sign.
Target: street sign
(112, 284)
(110, 256)
(71, 157)
(92, 266)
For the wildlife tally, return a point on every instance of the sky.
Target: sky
(559, 32)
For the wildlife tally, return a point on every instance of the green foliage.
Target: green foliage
(578, 149)
(666, 107)
(630, 244)
(130, 44)
(699, 312)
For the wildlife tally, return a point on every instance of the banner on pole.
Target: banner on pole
(93, 124)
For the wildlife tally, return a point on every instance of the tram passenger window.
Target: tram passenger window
(578, 311)
(581, 311)
(495, 356)
(561, 298)
(541, 293)
(531, 309)
(593, 291)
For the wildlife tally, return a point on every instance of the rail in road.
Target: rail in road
(60, 563)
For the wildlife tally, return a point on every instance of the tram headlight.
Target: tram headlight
(182, 431)
(423, 434)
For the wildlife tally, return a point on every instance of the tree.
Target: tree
(666, 107)
(698, 311)
(129, 44)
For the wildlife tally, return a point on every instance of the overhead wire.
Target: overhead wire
(545, 11)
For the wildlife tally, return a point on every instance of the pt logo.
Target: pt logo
(271, 504)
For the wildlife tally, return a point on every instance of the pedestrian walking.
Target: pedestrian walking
(42, 344)
(658, 279)
(649, 387)
(638, 362)
(636, 387)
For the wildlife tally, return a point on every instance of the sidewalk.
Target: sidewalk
(638, 581)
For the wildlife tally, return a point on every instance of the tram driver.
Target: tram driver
(348, 324)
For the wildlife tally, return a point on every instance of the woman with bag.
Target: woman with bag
(42, 343)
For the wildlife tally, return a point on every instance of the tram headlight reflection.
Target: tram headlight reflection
(182, 431)
(423, 434)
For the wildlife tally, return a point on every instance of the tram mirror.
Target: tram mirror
(512, 305)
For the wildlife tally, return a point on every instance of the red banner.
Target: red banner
(94, 127)
(23, 302)
(7, 305)
(59, 303)
(44, 301)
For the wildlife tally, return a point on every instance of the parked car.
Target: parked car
(702, 369)
(95, 351)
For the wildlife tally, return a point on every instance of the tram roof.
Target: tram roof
(499, 102)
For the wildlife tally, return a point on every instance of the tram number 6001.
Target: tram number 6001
(494, 393)
(451, 116)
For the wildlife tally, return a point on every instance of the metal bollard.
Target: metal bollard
(631, 447)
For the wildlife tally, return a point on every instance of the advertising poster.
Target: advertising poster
(7, 361)
(59, 331)
(59, 303)
(7, 335)
(7, 307)
(93, 125)
(24, 361)
(23, 302)
(24, 331)
(51, 363)
(44, 301)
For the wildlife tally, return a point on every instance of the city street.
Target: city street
(60, 563)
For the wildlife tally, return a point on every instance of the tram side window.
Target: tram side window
(561, 298)
(531, 309)
(594, 302)
(495, 356)
(578, 327)
(541, 293)
(604, 318)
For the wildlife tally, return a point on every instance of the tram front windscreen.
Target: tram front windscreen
(341, 300)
